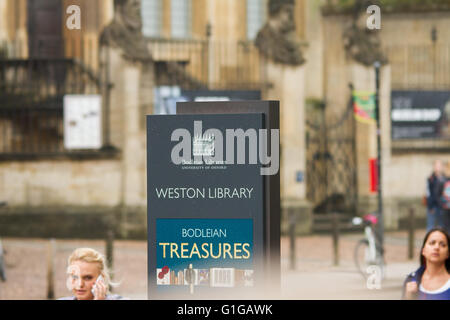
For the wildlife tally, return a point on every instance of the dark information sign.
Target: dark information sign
(206, 204)
(220, 95)
(420, 114)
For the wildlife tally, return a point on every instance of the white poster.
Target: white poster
(82, 122)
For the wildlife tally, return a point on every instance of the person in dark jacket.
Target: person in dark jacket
(434, 192)
(432, 280)
(445, 196)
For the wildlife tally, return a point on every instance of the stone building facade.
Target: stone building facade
(406, 40)
(218, 52)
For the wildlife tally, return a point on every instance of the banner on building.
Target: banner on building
(364, 106)
(373, 166)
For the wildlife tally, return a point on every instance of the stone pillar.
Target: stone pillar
(283, 61)
(288, 83)
(129, 67)
(288, 87)
(126, 121)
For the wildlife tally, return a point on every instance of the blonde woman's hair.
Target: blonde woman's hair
(93, 256)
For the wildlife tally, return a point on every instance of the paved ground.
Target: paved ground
(317, 278)
(314, 278)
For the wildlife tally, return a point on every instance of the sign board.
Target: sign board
(82, 122)
(420, 114)
(206, 217)
(221, 95)
(220, 252)
(167, 97)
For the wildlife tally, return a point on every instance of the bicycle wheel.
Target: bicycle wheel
(2, 270)
(382, 265)
(361, 256)
(2, 264)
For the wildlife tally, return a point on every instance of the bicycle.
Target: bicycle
(369, 255)
(2, 256)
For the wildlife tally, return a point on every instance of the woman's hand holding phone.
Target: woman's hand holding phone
(99, 289)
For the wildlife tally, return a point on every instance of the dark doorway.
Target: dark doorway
(45, 29)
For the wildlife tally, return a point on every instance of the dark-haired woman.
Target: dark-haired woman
(432, 280)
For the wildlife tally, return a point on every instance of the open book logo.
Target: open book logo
(228, 147)
(203, 146)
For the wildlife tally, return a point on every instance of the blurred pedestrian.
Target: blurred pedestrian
(432, 280)
(445, 196)
(89, 277)
(435, 183)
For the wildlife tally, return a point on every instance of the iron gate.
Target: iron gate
(331, 159)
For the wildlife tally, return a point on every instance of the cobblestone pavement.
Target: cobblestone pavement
(26, 261)
(315, 276)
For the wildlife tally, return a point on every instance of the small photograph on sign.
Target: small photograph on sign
(163, 276)
(203, 277)
(214, 253)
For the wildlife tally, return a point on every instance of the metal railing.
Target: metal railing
(31, 102)
(425, 67)
(214, 64)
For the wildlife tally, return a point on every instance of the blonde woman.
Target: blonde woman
(88, 276)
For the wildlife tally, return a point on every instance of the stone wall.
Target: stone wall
(73, 222)
(61, 183)
(69, 199)
(403, 175)
(415, 28)
(72, 197)
(3, 23)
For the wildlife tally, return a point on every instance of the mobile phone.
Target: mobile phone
(100, 278)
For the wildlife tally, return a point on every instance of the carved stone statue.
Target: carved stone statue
(276, 40)
(362, 44)
(125, 31)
